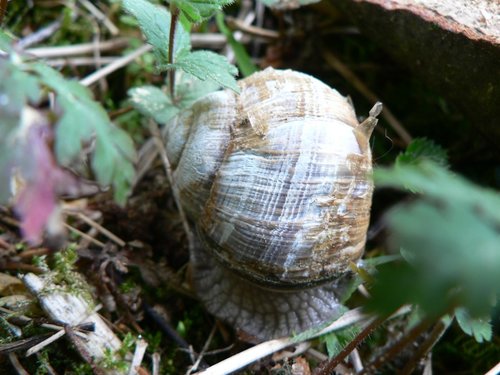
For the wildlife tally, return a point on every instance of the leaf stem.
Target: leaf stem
(396, 348)
(173, 25)
(424, 349)
(328, 367)
(3, 9)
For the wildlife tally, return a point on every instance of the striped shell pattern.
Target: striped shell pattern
(276, 179)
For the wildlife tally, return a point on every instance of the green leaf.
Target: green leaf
(208, 66)
(5, 41)
(82, 119)
(336, 341)
(153, 102)
(17, 89)
(438, 183)
(198, 10)
(421, 149)
(245, 64)
(189, 89)
(479, 328)
(451, 236)
(154, 21)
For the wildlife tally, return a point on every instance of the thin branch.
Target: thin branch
(39, 35)
(396, 348)
(155, 363)
(17, 365)
(96, 12)
(171, 44)
(36, 348)
(495, 370)
(356, 82)
(255, 31)
(175, 192)
(140, 350)
(264, 349)
(79, 49)
(3, 9)
(203, 351)
(113, 237)
(370, 326)
(424, 349)
(120, 63)
(85, 235)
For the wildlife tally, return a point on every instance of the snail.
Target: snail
(276, 180)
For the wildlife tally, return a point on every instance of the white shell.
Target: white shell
(276, 178)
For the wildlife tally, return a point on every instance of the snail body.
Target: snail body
(276, 180)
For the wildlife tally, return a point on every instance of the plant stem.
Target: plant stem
(424, 349)
(171, 73)
(3, 9)
(397, 347)
(329, 367)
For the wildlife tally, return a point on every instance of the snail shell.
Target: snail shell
(277, 181)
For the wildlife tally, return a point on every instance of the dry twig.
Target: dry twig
(175, 192)
(140, 350)
(354, 80)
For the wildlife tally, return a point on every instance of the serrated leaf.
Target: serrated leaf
(479, 328)
(207, 65)
(153, 102)
(154, 21)
(451, 236)
(82, 118)
(245, 64)
(198, 10)
(336, 341)
(436, 182)
(422, 149)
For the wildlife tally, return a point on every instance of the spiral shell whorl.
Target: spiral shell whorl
(289, 205)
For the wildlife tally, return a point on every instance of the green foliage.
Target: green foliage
(479, 328)
(245, 64)
(421, 149)
(208, 66)
(196, 11)
(153, 102)
(5, 41)
(450, 239)
(190, 89)
(64, 276)
(83, 118)
(80, 120)
(336, 341)
(118, 360)
(17, 88)
(154, 21)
